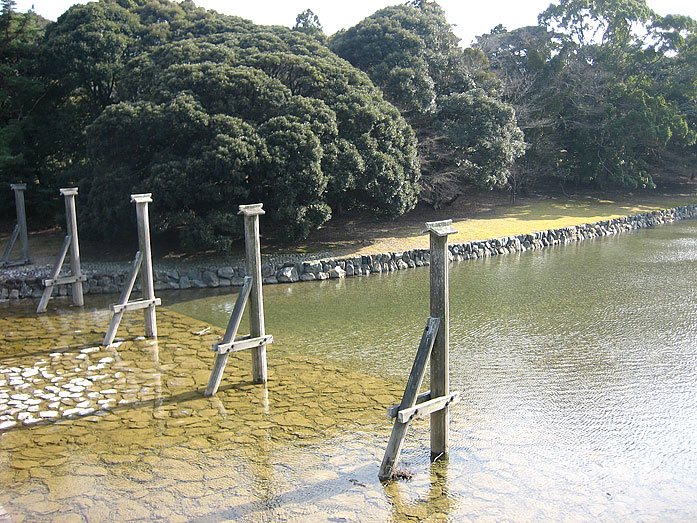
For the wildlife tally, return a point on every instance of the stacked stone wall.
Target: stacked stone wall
(28, 282)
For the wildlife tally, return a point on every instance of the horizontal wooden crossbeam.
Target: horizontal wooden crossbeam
(427, 407)
(243, 343)
(135, 305)
(394, 409)
(65, 280)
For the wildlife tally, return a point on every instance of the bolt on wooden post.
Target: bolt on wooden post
(257, 329)
(75, 278)
(440, 308)
(20, 230)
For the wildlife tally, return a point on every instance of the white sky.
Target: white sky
(471, 17)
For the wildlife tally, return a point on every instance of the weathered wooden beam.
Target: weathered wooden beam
(10, 245)
(135, 305)
(69, 194)
(230, 333)
(146, 272)
(440, 308)
(411, 392)
(427, 407)
(243, 343)
(123, 299)
(20, 230)
(237, 311)
(70, 242)
(64, 280)
(257, 327)
(394, 409)
(48, 283)
(19, 189)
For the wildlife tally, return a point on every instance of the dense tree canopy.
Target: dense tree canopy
(466, 133)
(595, 88)
(208, 111)
(21, 92)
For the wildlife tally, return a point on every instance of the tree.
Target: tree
(227, 112)
(444, 91)
(593, 91)
(308, 22)
(21, 94)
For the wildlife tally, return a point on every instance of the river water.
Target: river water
(577, 367)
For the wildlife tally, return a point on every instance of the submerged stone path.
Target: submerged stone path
(123, 433)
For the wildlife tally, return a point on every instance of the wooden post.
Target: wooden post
(75, 268)
(434, 346)
(440, 308)
(20, 231)
(142, 264)
(256, 312)
(410, 398)
(71, 242)
(146, 273)
(19, 189)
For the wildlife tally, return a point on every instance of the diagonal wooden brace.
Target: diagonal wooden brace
(230, 333)
(123, 300)
(49, 282)
(411, 395)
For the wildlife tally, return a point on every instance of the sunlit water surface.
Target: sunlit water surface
(577, 367)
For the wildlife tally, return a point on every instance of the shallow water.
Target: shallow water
(577, 366)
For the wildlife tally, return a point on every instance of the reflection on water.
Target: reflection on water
(577, 366)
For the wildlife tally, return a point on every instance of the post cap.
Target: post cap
(441, 228)
(141, 198)
(69, 191)
(18, 186)
(253, 209)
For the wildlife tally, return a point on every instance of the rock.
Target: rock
(226, 272)
(322, 275)
(63, 487)
(337, 272)
(307, 276)
(210, 278)
(287, 275)
(267, 270)
(313, 267)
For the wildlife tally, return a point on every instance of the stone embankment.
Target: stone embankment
(28, 282)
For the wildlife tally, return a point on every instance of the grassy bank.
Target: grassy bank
(493, 218)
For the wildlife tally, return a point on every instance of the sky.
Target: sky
(470, 17)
